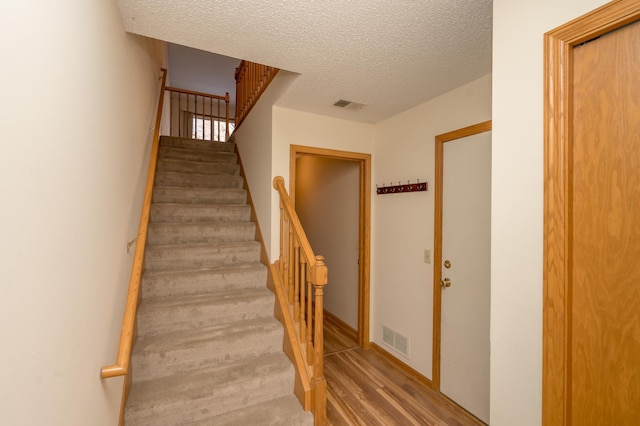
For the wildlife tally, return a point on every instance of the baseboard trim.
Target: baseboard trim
(422, 379)
(346, 328)
(404, 367)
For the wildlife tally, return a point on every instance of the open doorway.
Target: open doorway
(331, 193)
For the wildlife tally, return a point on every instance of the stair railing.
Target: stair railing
(127, 333)
(197, 115)
(299, 280)
(251, 81)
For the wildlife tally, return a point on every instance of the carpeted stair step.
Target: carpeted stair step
(275, 412)
(174, 141)
(177, 212)
(192, 311)
(199, 395)
(188, 350)
(177, 194)
(165, 283)
(200, 255)
(196, 155)
(200, 180)
(212, 232)
(174, 165)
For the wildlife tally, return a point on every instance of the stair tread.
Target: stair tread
(198, 212)
(207, 147)
(203, 223)
(204, 175)
(174, 391)
(213, 245)
(199, 164)
(169, 352)
(210, 231)
(180, 338)
(194, 255)
(201, 205)
(224, 269)
(176, 141)
(204, 189)
(285, 410)
(211, 298)
(199, 280)
(197, 310)
(198, 180)
(198, 154)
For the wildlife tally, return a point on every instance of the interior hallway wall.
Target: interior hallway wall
(327, 203)
(402, 286)
(75, 140)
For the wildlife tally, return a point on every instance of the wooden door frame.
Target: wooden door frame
(558, 144)
(364, 223)
(440, 140)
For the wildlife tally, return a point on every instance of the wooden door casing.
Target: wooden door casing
(582, 199)
(440, 140)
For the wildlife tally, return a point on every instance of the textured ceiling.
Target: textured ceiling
(387, 54)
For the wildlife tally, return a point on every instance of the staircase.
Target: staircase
(209, 349)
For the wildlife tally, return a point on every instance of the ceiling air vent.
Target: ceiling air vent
(353, 106)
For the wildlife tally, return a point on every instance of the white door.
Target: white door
(466, 256)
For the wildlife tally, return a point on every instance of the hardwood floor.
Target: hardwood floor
(365, 388)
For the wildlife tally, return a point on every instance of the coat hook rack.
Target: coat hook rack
(408, 187)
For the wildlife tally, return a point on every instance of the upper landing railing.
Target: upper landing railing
(251, 81)
(197, 115)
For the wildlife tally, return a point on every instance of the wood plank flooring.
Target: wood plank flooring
(365, 388)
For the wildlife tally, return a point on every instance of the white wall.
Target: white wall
(202, 71)
(80, 99)
(254, 139)
(517, 205)
(402, 284)
(327, 203)
(298, 128)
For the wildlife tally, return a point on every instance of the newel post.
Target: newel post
(319, 279)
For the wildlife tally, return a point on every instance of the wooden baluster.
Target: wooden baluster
(285, 255)
(195, 116)
(226, 117)
(303, 300)
(179, 114)
(311, 319)
(212, 119)
(203, 118)
(290, 285)
(296, 282)
(217, 123)
(171, 113)
(282, 224)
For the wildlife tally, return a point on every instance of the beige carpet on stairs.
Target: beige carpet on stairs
(209, 349)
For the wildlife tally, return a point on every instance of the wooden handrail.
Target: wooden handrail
(252, 80)
(202, 107)
(121, 367)
(225, 98)
(301, 276)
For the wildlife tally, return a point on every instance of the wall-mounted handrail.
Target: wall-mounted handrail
(301, 276)
(198, 115)
(251, 81)
(121, 367)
